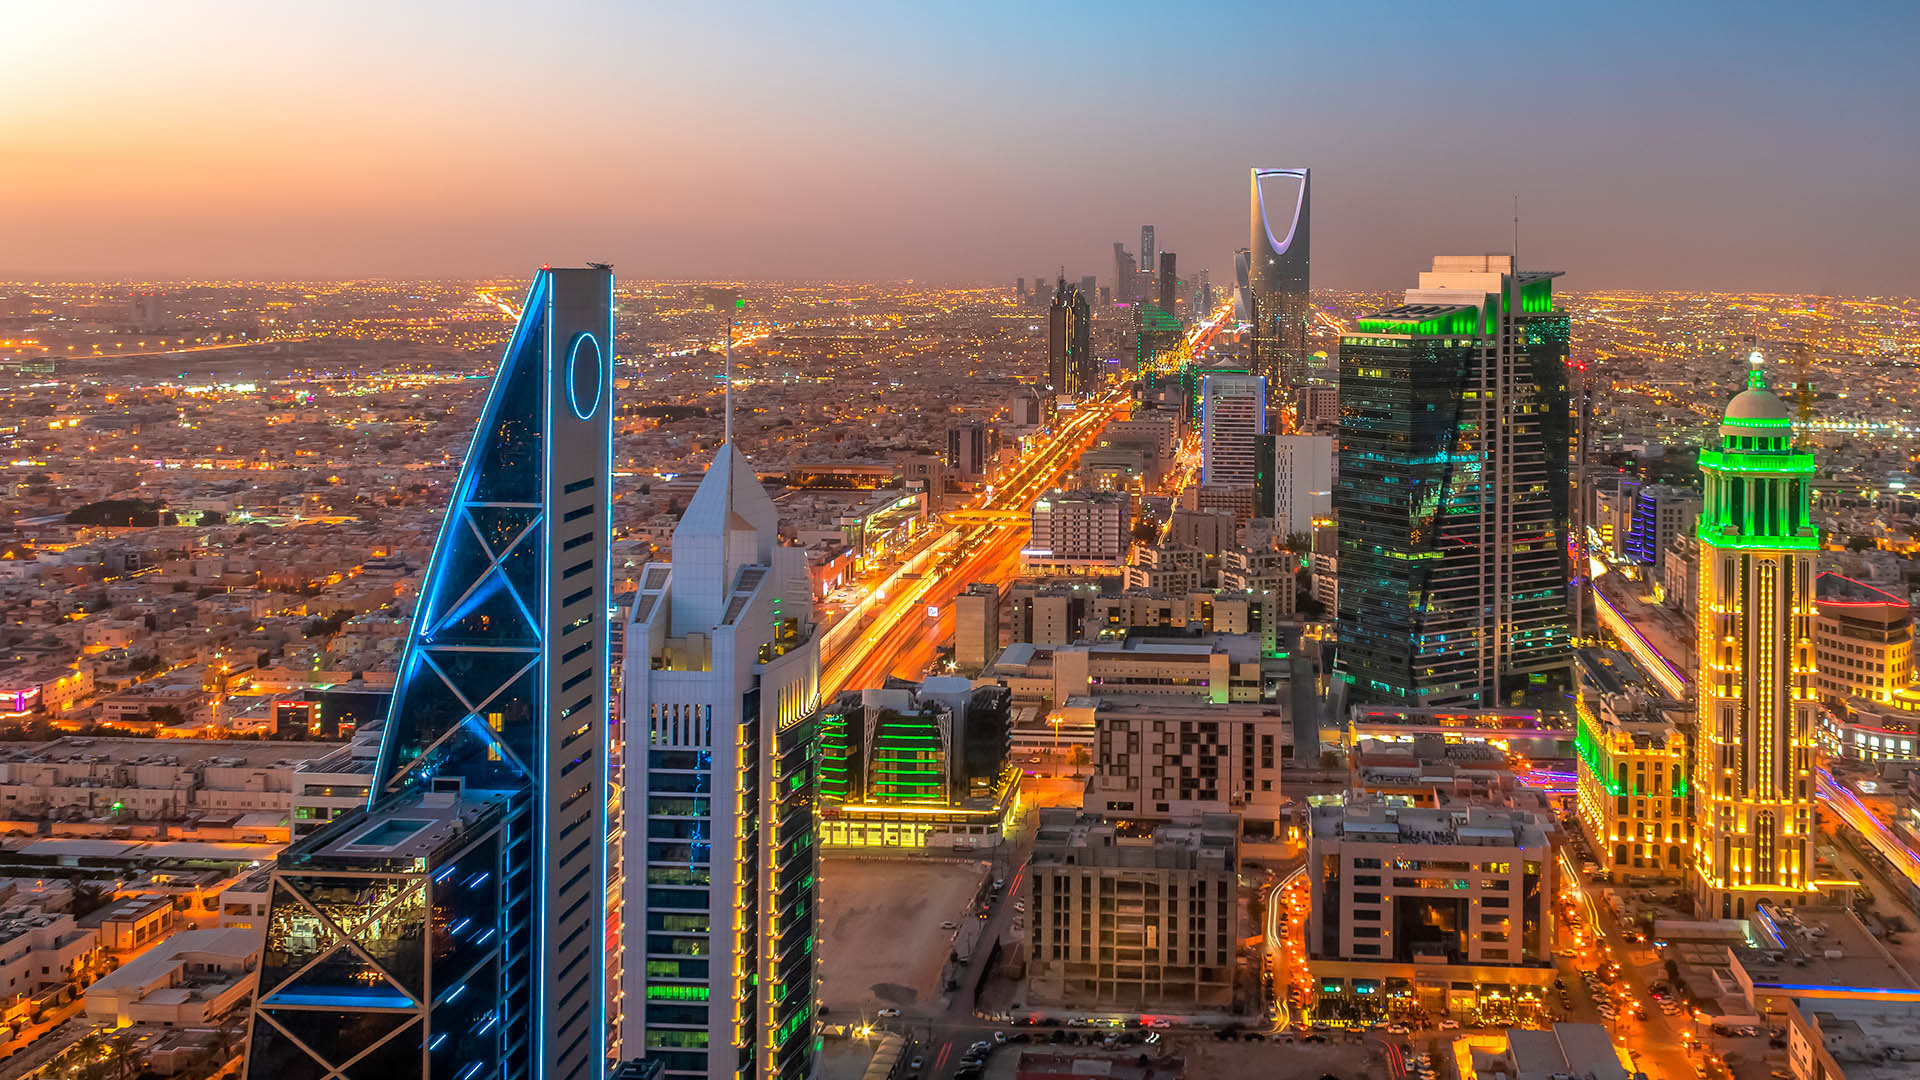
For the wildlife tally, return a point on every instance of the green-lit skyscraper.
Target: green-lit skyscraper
(1452, 496)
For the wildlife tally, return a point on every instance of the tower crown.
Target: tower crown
(1756, 416)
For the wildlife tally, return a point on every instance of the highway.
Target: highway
(983, 544)
(900, 638)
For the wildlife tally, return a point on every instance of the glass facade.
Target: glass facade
(454, 928)
(1278, 275)
(1452, 505)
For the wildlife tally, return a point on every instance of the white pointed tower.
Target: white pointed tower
(722, 673)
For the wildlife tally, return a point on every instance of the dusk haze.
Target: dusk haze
(973, 541)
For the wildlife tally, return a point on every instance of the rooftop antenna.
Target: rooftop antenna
(731, 308)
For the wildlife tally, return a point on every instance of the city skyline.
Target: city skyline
(1476, 637)
(1667, 153)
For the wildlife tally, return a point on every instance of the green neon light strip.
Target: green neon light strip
(1755, 462)
(1760, 543)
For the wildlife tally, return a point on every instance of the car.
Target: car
(915, 1064)
(1020, 906)
(1000, 1037)
(887, 1014)
(949, 925)
(1399, 1029)
(1159, 1022)
(1448, 1023)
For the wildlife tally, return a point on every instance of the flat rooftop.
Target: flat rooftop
(1376, 821)
(237, 753)
(1820, 949)
(414, 826)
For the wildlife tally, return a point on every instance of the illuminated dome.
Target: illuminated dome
(1757, 404)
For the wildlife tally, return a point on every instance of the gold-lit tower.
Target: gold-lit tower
(1753, 752)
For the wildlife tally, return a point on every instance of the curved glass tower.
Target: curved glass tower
(455, 928)
(1277, 268)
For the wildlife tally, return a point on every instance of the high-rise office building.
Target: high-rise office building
(1451, 499)
(1233, 415)
(720, 694)
(1020, 290)
(1169, 281)
(1756, 702)
(1148, 253)
(971, 449)
(1089, 287)
(976, 626)
(1124, 272)
(457, 926)
(1277, 271)
(1071, 367)
(1302, 481)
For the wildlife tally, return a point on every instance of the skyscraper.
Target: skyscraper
(1451, 499)
(1020, 290)
(456, 927)
(1124, 272)
(1088, 286)
(1233, 415)
(1277, 270)
(1302, 481)
(1243, 289)
(1169, 282)
(721, 684)
(1753, 750)
(1147, 250)
(1071, 368)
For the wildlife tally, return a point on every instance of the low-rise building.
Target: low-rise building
(40, 949)
(1219, 668)
(192, 979)
(1632, 785)
(1172, 569)
(1133, 922)
(1443, 909)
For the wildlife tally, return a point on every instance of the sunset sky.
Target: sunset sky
(1696, 145)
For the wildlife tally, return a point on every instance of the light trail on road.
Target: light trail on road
(901, 639)
(1872, 829)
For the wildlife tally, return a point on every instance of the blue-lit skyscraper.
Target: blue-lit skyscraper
(454, 930)
(719, 692)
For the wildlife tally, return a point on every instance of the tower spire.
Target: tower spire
(728, 376)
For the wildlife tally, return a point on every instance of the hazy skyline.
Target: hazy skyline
(1725, 146)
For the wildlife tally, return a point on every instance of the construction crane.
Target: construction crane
(1802, 397)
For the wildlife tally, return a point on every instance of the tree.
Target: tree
(1860, 543)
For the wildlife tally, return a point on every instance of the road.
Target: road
(900, 638)
(1851, 810)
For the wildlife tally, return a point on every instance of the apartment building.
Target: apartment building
(1133, 922)
(1177, 761)
(1862, 641)
(1173, 569)
(1080, 531)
